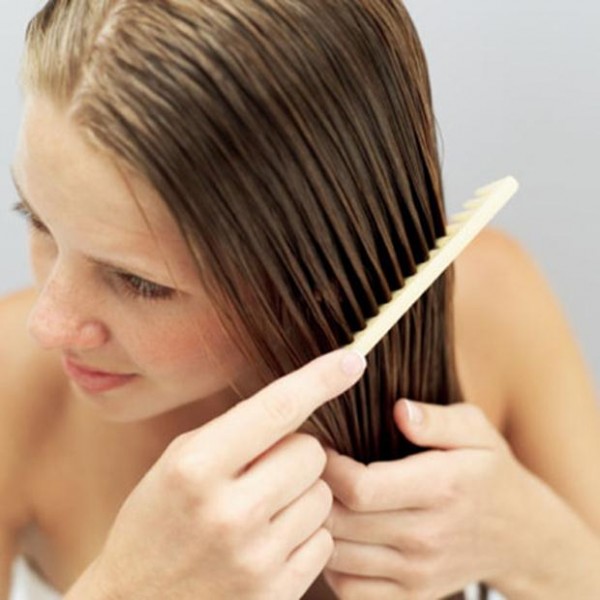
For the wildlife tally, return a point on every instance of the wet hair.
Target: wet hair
(294, 143)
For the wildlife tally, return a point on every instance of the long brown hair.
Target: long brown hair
(294, 143)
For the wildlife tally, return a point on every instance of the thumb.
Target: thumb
(445, 427)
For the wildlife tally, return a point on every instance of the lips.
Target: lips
(92, 381)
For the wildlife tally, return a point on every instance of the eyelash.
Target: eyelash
(132, 285)
(32, 221)
(142, 288)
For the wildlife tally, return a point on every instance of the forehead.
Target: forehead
(83, 193)
(53, 155)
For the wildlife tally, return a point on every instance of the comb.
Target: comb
(461, 230)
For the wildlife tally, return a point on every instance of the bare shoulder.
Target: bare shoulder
(26, 375)
(505, 308)
(494, 268)
(512, 326)
(490, 289)
(503, 299)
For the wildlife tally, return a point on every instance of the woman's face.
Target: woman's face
(119, 296)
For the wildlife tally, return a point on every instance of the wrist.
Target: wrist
(555, 556)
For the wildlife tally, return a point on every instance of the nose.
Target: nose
(60, 319)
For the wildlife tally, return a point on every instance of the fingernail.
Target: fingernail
(353, 363)
(414, 411)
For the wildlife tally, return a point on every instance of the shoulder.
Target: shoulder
(493, 277)
(494, 267)
(516, 332)
(503, 296)
(27, 376)
(509, 324)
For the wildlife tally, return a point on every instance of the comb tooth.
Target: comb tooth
(452, 228)
(441, 242)
(432, 253)
(461, 216)
(486, 189)
(457, 236)
(474, 203)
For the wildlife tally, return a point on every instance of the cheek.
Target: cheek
(189, 348)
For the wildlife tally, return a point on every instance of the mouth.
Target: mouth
(92, 380)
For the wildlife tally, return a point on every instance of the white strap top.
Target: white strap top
(27, 584)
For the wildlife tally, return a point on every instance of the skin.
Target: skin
(88, 311)
(499, 460)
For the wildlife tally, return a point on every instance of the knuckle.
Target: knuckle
(358, 495)
(448, 489)
(314, 450)
(321, 547)
(427, 542)
(325, 494)
(227, 521)
(256, 563)
(184, 468)
(182, 471)
(473, 414)
(331, 522)
(504, 447)
(324, 547)
(177, 444)
(281, 409)
(327, 542)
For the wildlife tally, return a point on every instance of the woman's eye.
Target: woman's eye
(142, 288)
(33, 222)
(132, 284)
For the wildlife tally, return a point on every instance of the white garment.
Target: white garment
(27, 585)
(472, 593)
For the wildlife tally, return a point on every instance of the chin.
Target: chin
(122, 405)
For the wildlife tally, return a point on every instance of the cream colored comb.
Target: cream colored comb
(461, 230)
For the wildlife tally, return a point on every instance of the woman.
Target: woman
(218, 193)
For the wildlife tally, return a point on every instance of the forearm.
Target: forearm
(557, 557)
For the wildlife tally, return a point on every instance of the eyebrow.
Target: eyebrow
(100, 263)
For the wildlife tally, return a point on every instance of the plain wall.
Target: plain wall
(517, 91)
(14, 269)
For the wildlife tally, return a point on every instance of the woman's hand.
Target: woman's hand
(234, 509)
(428, 525)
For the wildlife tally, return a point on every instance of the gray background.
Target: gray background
(517, 91)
